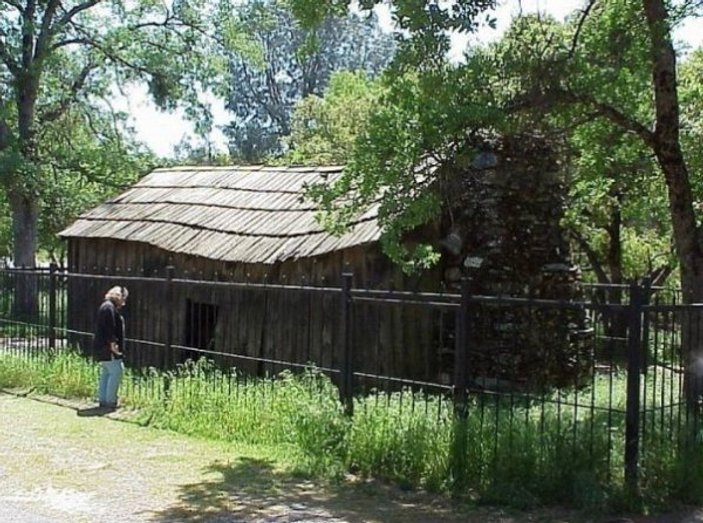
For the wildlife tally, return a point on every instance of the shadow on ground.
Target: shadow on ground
(253, 491)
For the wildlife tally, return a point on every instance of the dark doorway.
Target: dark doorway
(201, 319)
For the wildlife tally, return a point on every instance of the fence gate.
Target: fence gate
(669, 363)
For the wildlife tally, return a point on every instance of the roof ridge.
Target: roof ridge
(138, 185)
(253, 168)
(207, 204)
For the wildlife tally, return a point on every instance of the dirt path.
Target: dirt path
(56, 466)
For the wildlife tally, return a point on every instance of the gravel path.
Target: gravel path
(56, 466)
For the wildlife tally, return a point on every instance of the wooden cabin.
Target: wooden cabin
(500, 227)
(215, 224)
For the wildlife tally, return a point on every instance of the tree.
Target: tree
(324, 129)
(85, 164)
(56, 56)
(615, 61)
(198, 151)
(283, 63)
(428, 111)
(618, 210)
(621, 66)
(618, 213)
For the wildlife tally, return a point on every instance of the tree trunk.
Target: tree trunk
(686, 234)
(667, 147)
(24, 232)
(22, 197)
(616, 327)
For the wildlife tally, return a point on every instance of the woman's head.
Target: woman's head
(117, 295)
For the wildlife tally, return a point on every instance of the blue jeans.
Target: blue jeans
(110, 378)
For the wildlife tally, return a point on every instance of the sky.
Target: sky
(161, 131)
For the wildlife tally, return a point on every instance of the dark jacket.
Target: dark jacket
(109, 327)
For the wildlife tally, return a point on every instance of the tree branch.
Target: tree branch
(76, 86)
(46, 31)
(87, 40)
(592, 256)
(68, 15)
(579, 26)
(664, 71)
(613, 114)
(623, 120)
(28, 34)
(658, 276)
(70, 41)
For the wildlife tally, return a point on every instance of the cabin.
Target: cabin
(499, 227)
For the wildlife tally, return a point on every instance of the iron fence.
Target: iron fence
(503, 368)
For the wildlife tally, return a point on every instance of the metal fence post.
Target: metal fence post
(52, 305)
(460, 353)
(459, 457)
(346, 387)
(168, 356)
(634, 364)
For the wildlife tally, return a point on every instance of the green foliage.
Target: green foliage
(426, 111)
(587, 83)
(282, 63)
(515, 451)
(419, 120)
(590, 80)
(325, 129)
(61, 65)
(691, 100)
(82, 170)
(423, 27)
(617, 194)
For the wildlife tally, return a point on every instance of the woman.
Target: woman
(108, 346)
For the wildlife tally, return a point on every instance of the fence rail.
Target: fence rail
(614, 378)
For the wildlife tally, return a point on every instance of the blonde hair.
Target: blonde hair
(117, 293)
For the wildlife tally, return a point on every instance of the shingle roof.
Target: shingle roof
(248, 214)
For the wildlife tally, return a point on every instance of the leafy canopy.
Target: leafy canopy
(61, 64)
(283, 63)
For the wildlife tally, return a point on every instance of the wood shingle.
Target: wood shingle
(249, 214)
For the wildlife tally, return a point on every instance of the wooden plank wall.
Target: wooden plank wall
(302, 327)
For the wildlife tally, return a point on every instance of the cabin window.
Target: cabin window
(201, 319)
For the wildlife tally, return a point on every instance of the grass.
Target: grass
(508, 450)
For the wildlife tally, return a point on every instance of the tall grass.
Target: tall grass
(62, 373)
(507, 450)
